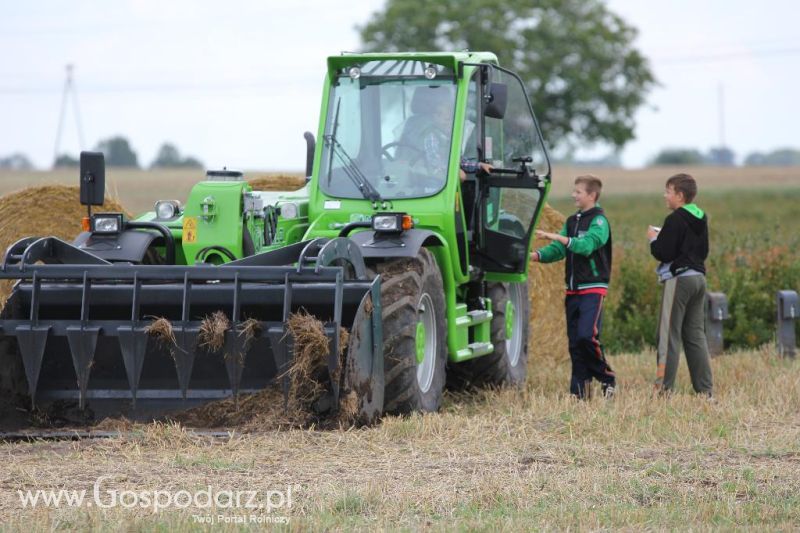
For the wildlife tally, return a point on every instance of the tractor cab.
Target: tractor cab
(397, 130)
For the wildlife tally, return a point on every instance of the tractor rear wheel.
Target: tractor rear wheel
(508, 364)
(414, 333)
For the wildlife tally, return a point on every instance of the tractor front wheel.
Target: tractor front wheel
(414, 333)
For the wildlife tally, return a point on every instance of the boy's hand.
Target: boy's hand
(652, 232)
(552, 236)
(535, 257)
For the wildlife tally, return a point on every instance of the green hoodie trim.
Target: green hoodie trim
(694, 210)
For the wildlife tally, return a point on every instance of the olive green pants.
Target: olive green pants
(682, 322)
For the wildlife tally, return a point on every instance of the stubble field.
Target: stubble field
(500, 460)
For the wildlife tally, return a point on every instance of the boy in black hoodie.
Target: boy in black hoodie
(681, 246)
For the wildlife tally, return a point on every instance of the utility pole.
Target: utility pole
(69, 90)
(721, 101)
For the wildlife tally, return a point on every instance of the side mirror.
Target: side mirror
(93, 178)
(498, 100)
(310, 146)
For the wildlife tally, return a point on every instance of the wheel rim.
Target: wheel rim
(426, 342)
(514, 321)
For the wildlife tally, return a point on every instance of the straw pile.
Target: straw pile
(308, 379)
(547, 335)
(278, 182)
(212, 331)
(50, 210)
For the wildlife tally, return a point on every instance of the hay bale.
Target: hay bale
(49, 210)
(279, 182)
(548, 331)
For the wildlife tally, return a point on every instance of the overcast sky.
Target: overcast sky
(237, 83)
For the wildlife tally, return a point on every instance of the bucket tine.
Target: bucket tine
(32, 340)
(184, 353)
(235, 353)
(279, 341)
(82, 344)
(133, 344)
(333, 362)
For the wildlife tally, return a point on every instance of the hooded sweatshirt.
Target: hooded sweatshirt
(682, 243)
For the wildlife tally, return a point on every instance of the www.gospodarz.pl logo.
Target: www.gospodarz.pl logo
(104, 497)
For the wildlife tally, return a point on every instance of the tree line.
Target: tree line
(118, 153)
(781, 157)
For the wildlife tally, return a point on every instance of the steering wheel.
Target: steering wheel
(397, 144)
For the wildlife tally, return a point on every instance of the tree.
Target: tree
(582, 73)
(168, 156)
(118, 152)
(724, 157)
(679, 156)
(16, 161)
(784, 157)
(66, 161)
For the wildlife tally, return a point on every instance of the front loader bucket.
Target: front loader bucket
(86, 333)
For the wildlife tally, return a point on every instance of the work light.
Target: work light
(166, 209)
(107, 223)
(392, 223)
(289, 210)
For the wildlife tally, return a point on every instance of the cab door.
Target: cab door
(512, 196)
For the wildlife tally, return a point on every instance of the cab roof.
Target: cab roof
(447, 59)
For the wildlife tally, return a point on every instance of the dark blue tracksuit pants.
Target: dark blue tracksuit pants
(584, 323)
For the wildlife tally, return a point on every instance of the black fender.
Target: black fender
(128, 245)
(407, 244)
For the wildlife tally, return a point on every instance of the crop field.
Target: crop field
(501, 460)
(139, 189)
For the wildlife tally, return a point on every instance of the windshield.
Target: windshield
(387, 136)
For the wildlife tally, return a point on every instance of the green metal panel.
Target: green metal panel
(213, 217)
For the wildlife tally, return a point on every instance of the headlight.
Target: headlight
(392, 223)
(107, 223)
(289, 210)
(167, 209)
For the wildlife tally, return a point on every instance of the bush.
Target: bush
(750, 280)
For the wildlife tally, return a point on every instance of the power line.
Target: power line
(714, 58)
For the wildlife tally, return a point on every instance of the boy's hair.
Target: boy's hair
(684, 184)
(591, 183)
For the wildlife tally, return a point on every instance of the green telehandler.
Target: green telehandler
(399, 236)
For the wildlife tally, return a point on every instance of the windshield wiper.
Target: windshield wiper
(367, 190)
(333, 135)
